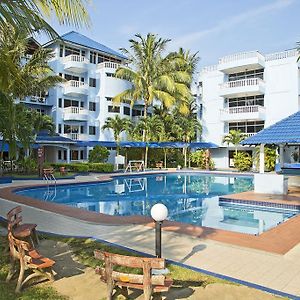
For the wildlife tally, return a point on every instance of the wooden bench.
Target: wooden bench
(122, 281)
(18, 230)
(29, 259)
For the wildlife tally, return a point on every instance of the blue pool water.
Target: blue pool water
(190, 198)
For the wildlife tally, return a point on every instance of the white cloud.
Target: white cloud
(191, 38)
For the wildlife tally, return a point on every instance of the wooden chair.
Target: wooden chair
(18, 230)
(30, 259)
(159, 165)
(122, 281)
(63, 171)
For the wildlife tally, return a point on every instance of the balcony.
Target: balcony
(76, 136)
(109, 65)
(75, 88)
(240, 88)
(74, 113)
(75, 63)
(239, 62)
(239, 113)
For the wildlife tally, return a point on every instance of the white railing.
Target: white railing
(75, 136)
(75, 83)
(241, 83)
(38, 99)
(109, 64)
(282, 55)
(75, 58)
(243, 109)
(75, 110)
(247, 134)
(240, 56)
(209, 69)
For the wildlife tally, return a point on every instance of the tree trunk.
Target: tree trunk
(145, 116)
(146, 157)
(185, 152)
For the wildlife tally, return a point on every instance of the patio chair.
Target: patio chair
(121, 281)
(29, 259)
(21, 231)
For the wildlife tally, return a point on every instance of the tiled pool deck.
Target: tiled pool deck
(232, 254)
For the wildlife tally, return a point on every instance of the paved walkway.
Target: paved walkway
(279, 272)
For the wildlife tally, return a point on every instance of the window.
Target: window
(92, 130)
(74, 155)
(136, 112)
(59, 128)
(92, 82)
(70, 102)
(71, 129)
(70, 50)
(126, 111)
(72, 77)
(113, 109)
(248, 126)
(65, 154)
(61, 51)
(59, 154)
(81, 129)
(61, 75)
(247, 74)
(92, 106)
(59, 102)
(81, 154)
(110, 74)
(93, 56)
(108, 98)
(246, 101)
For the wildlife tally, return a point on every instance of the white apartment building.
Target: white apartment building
(81, 105)
(246, 91)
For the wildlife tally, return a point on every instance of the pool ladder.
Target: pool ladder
(50, 194)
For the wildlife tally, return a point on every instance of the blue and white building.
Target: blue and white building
(81, 105)
(246, 91)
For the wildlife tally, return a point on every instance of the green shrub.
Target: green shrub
(78, 167)
(28, 165)
(270, 158)
(200, 159)
(101, 167)
(98, 155)
(242, 161)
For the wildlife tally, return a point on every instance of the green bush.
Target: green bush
(200, 159)
(242, 161)
(98, 155)
(101, 167)
(270, 158)
(28, 165)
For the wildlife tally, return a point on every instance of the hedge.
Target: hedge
(85, 167)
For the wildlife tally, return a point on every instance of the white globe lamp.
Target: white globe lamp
(159, 212)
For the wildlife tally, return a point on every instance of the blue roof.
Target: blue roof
(45, 138)
(286, 131)
(82, 40)
(203, 145)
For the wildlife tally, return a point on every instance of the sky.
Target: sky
(214, 28)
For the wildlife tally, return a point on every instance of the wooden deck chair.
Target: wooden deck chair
(29, 259)
(21, 231)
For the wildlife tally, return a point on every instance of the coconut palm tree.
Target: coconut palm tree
(30, 15)
(234, 137)
(118, 125)
(154, 76)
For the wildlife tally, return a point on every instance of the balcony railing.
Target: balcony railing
(76, 58)
(76, 84)
(75, 110)
(240, 56)
(110, 65)
(282, 55)
(75, 113)
(38, 99)
(243, 109)
(76, 136)
(242, 83)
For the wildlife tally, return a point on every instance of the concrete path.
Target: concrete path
(279, 272)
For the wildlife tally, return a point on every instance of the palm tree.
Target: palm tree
(149, 129)
(234, 137)
(17, 81)
(154, 76)
(118, 125)
(30, 15)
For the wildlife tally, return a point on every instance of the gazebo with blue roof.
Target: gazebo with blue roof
(283, 133)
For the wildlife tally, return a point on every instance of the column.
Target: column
(262, 158)
(68, 155)
(281, 154)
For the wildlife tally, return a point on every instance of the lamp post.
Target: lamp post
(159, 213)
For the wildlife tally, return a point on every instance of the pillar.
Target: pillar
(68, 155)
(262, 158)
(281, 154)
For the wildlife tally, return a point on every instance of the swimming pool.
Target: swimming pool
(190, 198)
